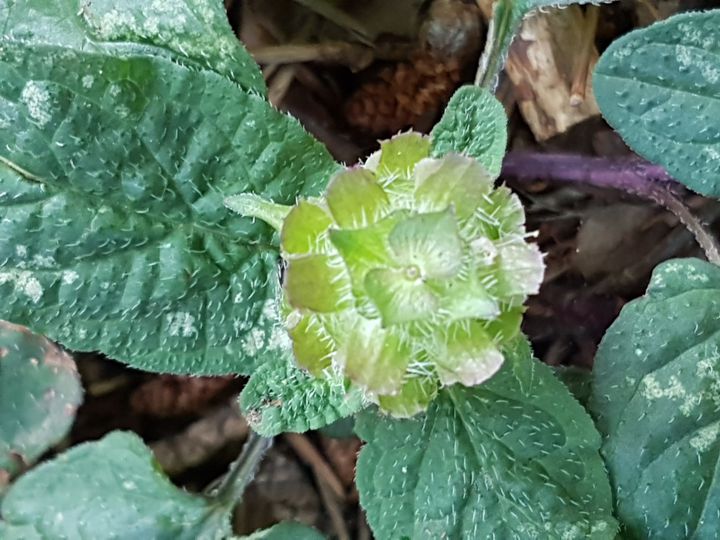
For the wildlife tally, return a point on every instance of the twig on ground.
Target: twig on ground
(200, 440)
(356, 57)
(310, 455)
(363, 530)
(341, 18)
(333, 508)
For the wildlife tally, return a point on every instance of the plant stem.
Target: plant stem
(242, 470)
(666, 198)
(504, 24)
(251, 205)
(632, 176)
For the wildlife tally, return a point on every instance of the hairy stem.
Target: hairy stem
(242, 470)
(666, 198)
(632, 176)
(504, 24)
(251, 205)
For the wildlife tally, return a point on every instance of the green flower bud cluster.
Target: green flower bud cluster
(409, 274)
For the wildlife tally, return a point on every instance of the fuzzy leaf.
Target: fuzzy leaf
(456, 180)
(398, 156)
(414, 397)
(114, 234)
(281, 397)
(578, 381)
(656, 395)
(286, 531)
(474, 124)
(466, 354)
(399, 299)
(659, 87)
(355, 198)
(39, 393)
(429, 242)
(193, 32)
(374, 357)
(318, 283)
(108, 487)
(516, 457)
(527, 6)
(304, 228)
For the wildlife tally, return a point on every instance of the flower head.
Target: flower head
(409, 274)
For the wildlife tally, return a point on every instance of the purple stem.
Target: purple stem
(631, 175)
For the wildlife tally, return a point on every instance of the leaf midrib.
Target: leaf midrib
(86, 197)
(170, 225)
(135, 51)
(468, 436)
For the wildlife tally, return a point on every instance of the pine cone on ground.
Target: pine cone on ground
(169, 395)
(403, 94)
(412, 92)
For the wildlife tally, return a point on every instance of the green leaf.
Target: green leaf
(373, 357)
(23, 532)
(527, 6)
(355, 199)
(304, 228)
(659, 87)
(516, 457)
(577, 380)
(109, 487)
(114, 234)
(340, 429)
(656, 395)
(505, 24)
(400, 296)
(474, 124)
(318, 283)
(398, 157)
(195, 33)
(456, 180)
(430, 243)
(281, 397)
(39, 393)
(466, 354)
(286, 531)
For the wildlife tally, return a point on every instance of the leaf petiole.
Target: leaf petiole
(251, 205)
(504, 24)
